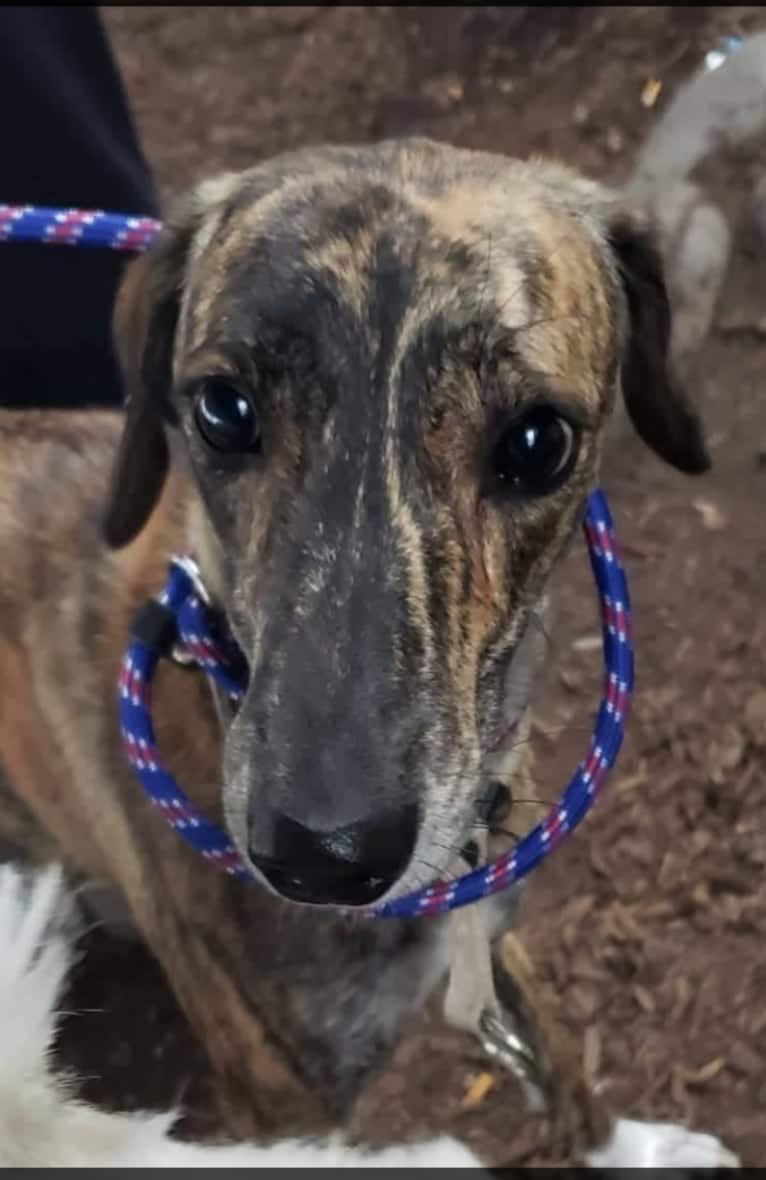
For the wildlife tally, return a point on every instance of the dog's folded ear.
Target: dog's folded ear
(657, 405)
(145, 321)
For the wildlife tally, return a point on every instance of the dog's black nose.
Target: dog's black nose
(350, 866)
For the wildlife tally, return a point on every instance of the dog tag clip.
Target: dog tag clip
(471, 1003)
(502, 1044)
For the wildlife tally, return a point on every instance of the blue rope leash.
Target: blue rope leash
(201, 642)
(195, 627)
(77, 227)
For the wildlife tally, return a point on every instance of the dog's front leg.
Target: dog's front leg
(587, 1127)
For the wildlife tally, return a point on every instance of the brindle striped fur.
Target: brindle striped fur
(389, 307)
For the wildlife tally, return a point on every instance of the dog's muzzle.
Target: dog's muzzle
(185, 617)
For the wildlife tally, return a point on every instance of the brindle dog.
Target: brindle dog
(368, 389)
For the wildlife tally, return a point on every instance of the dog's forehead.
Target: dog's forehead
(464, 236)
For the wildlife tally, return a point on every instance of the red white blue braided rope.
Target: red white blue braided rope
(196, 634)
(77, 227)
(200, 641)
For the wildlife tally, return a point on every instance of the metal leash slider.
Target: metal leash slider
(502, 1044)
(471, 1002)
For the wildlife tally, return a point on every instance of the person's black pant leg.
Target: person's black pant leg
(66, 138)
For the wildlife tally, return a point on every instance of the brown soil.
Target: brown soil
(649, 925)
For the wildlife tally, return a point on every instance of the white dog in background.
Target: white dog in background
(43, 1125)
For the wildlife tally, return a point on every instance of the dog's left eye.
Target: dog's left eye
(535, 453)
(226, 418)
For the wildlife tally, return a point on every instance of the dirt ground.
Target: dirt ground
(650, 923)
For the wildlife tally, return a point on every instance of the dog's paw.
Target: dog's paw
(33, 909)
(34, 959)
(636, 1144)
(440, 1153)
(444, 1152)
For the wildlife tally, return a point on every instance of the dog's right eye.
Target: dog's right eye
(226, 418)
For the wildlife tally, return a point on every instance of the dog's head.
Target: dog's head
(389, 370)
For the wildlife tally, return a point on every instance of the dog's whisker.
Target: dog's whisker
(537, 621)
(548, 731)
(443, 874)
(70, 1014)
(182, 1089)
(91, 927)
(515, 836)
(447, 847)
